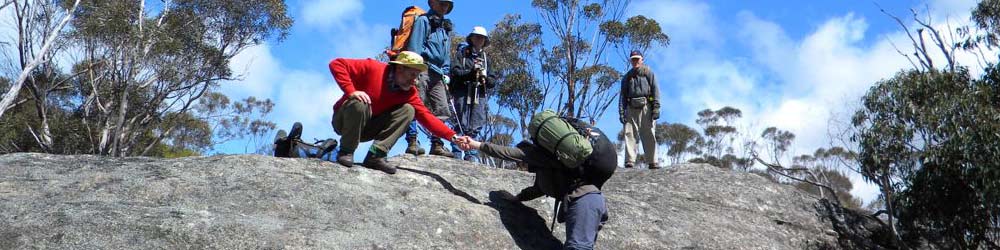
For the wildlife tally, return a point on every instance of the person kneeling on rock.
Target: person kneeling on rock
(379, 102)
(584, 211)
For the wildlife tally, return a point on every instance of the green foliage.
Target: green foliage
(822, 167)
(512, 49)
(718, 146)
(777, 141)
(146, 83)
(680, 140)
(986, 15)
(935, 133)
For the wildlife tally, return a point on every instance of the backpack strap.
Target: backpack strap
(555, 214)
(540, 128)
(559, 142)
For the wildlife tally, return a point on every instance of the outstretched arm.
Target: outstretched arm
(506, 153)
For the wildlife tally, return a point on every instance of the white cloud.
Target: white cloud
(323, 14)
(257, 68)
(687, 22)
(360, 40)
(797, 85)
(950, 9)
(307, 97)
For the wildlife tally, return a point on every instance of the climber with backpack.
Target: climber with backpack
(428, 34)
(571, 161)
(471, 80)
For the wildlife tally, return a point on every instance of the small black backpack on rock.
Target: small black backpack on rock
(290, 145)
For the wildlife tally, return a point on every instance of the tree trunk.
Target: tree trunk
(11, 94)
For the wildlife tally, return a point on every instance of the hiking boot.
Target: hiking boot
(346, 159)
(628, 165)
(438, 149)
(653, 166)
(282, 145)
(413, 147)
(378, 163)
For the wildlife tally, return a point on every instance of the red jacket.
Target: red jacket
(369, 76)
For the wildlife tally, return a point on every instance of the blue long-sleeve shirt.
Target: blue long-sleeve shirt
(432, 44)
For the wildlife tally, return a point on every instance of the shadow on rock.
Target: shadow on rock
(525, 226)
(447, 185)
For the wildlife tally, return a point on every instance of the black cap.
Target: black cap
(635, 54)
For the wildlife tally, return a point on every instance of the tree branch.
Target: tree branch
(781, 170)
(25, 72)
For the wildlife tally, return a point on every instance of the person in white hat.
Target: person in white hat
(471, 80)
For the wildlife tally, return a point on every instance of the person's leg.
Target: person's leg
(475, 125)
(646, 126)
(349, 121)
(631, 135)
(437, 102)
(459, 121)
(412, 144)
(584, 218)
(385, 129)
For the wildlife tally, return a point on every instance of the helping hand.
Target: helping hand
(361, 96)
(466, 143)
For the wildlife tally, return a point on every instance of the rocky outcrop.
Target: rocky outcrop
(250, 202)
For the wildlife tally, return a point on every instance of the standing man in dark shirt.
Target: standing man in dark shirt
(638, 110)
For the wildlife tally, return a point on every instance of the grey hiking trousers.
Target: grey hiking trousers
(433, 92)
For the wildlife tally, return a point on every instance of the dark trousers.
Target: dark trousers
(355, 124)
(471, 117)
(470, 121)
(584, 217)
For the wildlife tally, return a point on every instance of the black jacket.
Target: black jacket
(463, 72)
(638, 82)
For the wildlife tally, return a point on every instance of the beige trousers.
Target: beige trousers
(639, 125)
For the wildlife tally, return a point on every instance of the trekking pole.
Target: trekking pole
(451, 102)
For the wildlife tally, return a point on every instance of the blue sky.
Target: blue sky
(796, 65)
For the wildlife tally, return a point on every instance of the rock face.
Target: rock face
(252, 202)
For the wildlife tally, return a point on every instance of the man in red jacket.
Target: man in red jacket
(379, 102)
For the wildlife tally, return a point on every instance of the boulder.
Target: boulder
(253, 202)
